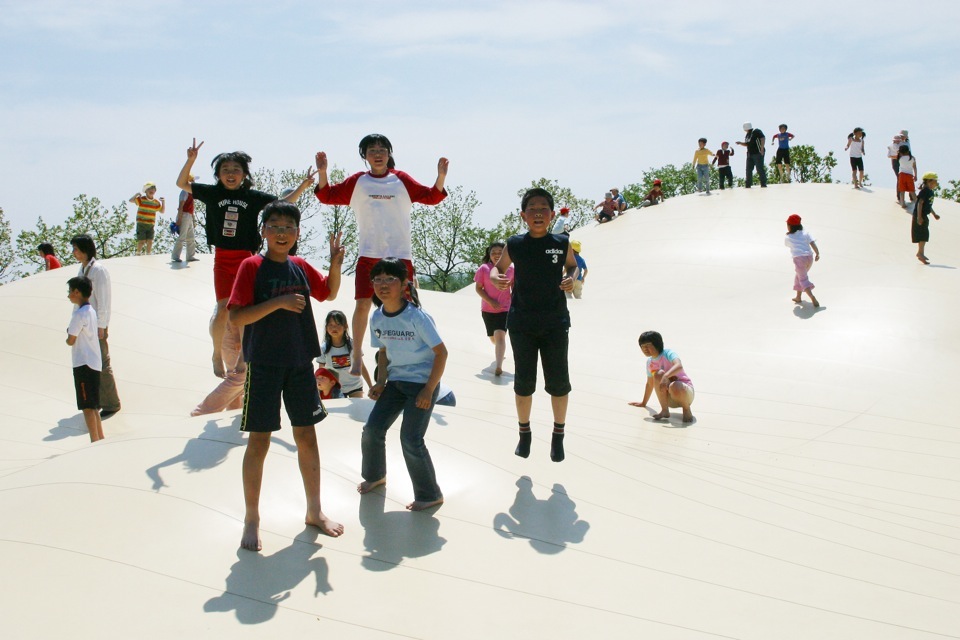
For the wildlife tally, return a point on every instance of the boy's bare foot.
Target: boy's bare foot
(663, 415)
(498, 371)
(688, 416)
(367, 487)
(251, 536)
(420, 505)
(218, 369)
(326, 525)
(923, 259)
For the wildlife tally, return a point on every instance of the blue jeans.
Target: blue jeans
(756, 160)
(703, 177)
(400, 397)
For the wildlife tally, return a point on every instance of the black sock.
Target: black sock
(523, 447)
(556, 442)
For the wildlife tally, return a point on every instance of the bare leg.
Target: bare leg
(559, 405)
(94, 426)
(813, 298)
(360, 316)
(308, 455)
(678, 392)
(796, 298)
(257, 446)
(662, 396)
(149, 247)
(921, 255)
(500, 349)
(218, 325)
(524, 406)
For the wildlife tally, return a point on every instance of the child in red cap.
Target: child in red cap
(800, 244)
(328, 384)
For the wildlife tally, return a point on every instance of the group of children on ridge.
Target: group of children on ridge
(267, 295)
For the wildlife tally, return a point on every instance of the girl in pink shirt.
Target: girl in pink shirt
(494, 302)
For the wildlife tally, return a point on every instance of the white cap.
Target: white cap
(747, 126)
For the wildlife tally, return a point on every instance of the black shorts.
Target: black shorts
(494, 321)
(551, 344)
(783, 156)
(262, 392)
(603, 216)
(856, 163)
(86, 381)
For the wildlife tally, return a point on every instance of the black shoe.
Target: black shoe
(556, 447)
(106, 413)
(523, 447)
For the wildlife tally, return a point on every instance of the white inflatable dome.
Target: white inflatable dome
(817, 494)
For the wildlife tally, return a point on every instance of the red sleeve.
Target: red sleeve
(420, 193)
(242, 293)
(338, 193)
(318, 282)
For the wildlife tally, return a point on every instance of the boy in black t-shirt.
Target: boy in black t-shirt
(271, 299)
(538, 320)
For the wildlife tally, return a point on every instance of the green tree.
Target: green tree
(275, 182)
(7, 255)
(809, 166)
(951, 191)
(677, 181)
(581, 209)
(111, 230)
(441, 238)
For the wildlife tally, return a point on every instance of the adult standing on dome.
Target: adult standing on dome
(754, 142)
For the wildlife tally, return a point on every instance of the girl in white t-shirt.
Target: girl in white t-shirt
(804, 250)
(335, 355)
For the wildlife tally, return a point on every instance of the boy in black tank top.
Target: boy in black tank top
(538, 320)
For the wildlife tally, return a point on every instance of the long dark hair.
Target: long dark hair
(340, 318)
(240, 158)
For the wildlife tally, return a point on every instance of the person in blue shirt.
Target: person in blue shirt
(411, 359)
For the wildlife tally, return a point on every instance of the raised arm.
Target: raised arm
(183, 180)
(337, 252)
(322, 179)
(442, 166)
(308, 181)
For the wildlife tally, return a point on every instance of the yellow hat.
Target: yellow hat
(930, 175)
(149, 185)
(575, 245)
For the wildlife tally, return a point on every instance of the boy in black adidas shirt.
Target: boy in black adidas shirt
(538, 320)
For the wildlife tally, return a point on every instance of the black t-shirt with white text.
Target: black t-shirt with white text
(539, 263)
(232, 215)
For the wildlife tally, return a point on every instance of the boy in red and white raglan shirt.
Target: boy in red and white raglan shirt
(381, 199)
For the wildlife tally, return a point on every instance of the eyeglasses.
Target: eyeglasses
(385, 280)
(379, 151)
(272, 228)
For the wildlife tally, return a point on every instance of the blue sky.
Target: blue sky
(100, 96)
